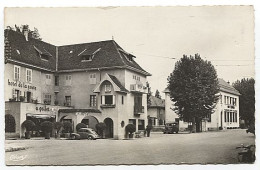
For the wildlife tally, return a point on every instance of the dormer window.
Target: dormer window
(44, 57)
(44, 54)
(86, 58)
(128, 56)
(87, 55)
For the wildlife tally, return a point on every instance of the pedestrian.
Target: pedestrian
(148, 130)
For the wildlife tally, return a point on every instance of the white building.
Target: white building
(226, 112)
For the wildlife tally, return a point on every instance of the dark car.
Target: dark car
(171, 128)
(85, 133)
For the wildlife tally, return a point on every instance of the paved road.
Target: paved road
(206, 147)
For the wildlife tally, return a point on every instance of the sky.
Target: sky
(157, 36)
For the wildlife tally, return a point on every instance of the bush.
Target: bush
(67, 126)
(80, 125)
(9, 123)
(130, 128)
(29, 125)
(58, 126)
(100, 128)
(46, 126)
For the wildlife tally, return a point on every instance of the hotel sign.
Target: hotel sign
(21, 85)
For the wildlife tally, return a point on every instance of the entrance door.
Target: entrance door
(28, 96)
(109, 130)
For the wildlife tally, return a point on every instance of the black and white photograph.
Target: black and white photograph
(118, 85)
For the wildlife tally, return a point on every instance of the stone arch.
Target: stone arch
(10, 124)
(91, 121)
(109, 132)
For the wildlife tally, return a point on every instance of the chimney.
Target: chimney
(26, 32)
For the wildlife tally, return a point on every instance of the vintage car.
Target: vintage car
(171, 128)
(84, 133)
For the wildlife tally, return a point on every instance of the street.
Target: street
(205, 148)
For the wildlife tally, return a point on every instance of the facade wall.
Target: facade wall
(37, 87)
(217, 120)
(218, 117)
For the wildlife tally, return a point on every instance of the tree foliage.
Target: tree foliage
(149, 93)
(9, 123)
(80, 125)
(29, 125)
(193, 86)
(246, 88)
(31, 33)
(47, 126)
(67, 126)
(58, 126)
(157, 94)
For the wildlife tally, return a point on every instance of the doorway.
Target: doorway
(109, 130)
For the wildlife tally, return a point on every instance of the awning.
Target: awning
(40, 116)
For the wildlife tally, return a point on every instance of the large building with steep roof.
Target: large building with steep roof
(81, 83)
(225, 115)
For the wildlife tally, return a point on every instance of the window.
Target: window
(107, 87)
(92, 78)
(235, 116)
(93, 100)
(16, 94)
(122, 99)
(47, 99)
(108, 100)
(44, 57)
(68, 80)
(220, 97)
(132, 121)
(56, 80)
(225, 116)
(86, 58)
(140, 124)
(138, 108)
(48, 79)
(67, 101)
(17, 73)
(29, 75)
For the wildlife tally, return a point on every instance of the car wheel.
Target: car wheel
(73, 137)
(90, 138)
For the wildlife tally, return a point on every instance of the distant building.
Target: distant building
(226, 112)
(156, 111)
(81, 83)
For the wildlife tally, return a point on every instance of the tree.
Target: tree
(100, 128)
(80, 125)
(246, 88)
(149, 93)
(157, 94)
(47, 128)
(193, 86)
(31, 33)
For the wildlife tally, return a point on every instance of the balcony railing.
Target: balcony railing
(138, 110)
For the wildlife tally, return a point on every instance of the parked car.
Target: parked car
(85, 133)
(171, 128)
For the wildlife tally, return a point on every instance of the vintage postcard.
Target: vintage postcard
(129, 85)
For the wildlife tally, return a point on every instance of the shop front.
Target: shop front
(38, 113)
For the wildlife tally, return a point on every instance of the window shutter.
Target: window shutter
(25, 96)
(103, 100)
(114, 100)
(20, 93)
(13, 93)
